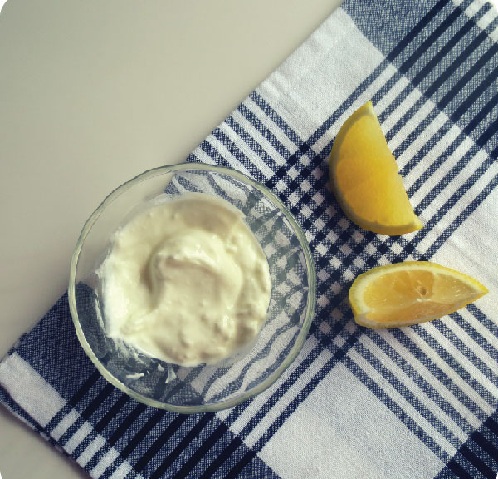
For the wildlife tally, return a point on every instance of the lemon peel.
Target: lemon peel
(365, 180)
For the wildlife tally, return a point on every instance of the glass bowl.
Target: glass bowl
(208, 387)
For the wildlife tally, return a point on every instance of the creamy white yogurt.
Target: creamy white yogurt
(186, 281)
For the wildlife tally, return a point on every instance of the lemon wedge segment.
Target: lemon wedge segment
(411, 292)
(365, 179)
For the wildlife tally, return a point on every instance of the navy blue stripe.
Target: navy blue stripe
(438, 373)
(86, 413)
(61, 414)
(459, 220)
(451, 71)
(252, 143)
(441, 104)
(85, 387)
(272, 400)
(468, 466)
(211, 151)
(477, 462)
(411, 137)
(488, 133)
(384, 90)
(458, 470)
(486, 78)
(55, 332)
(234, 472)
(408, 395)
(234, 150)
(492, 26)
(443, 52)
(138, 437)
(112, 412)
(195, 458)
(482, 61)
(201, 423)
(439, 162)
(483, 112)
(234, 444)
(192, 157)
(416, 30)
(183, 184)
(160, 441)
(243, 463)
(455, 365)
(111, 468)
(482, 11)
(485, 445)
(449, 176)
(492, 425)
(426, 121)
(484, 320)
(275, 117)
(394, 103)
(263, 130)
(98, 400)
(455, 197)
(494, 153)
(97, 457)
(78, 423)
(327, 124)
(467, 351)
(425, 386)
(428, 145)
(395, 408)
(126, 423)
(431, 39)
(91, 436)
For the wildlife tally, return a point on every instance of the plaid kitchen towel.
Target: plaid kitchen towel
(417, 402)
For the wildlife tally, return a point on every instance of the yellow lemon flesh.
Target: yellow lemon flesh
(365, 177)
(411, 292)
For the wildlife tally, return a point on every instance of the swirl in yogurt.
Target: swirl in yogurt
(186, 281)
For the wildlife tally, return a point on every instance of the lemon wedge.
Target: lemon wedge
(411, 292)
(365, 179)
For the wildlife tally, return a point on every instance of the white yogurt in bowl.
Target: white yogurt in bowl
(186, 281)
(192, 288)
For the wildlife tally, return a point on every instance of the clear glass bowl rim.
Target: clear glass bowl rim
(310, 270)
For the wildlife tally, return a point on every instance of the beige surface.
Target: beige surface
(91, 94)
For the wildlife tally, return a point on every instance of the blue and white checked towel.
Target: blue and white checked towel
(418, 402)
